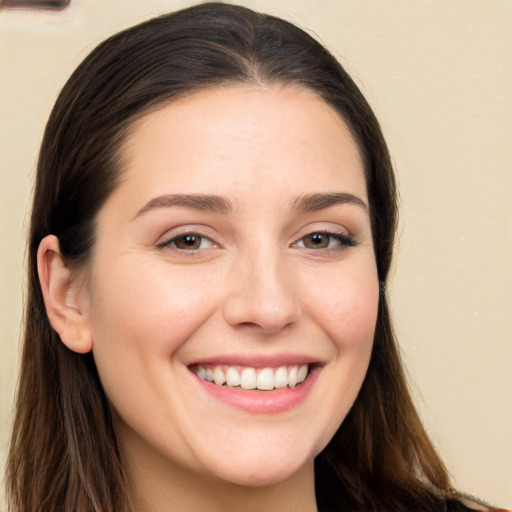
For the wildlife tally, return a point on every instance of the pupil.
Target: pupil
(317, 238)
(190, 240)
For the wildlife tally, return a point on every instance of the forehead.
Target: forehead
(237, 139)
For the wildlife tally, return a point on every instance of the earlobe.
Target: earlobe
(61, 291)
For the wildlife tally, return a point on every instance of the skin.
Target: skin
(254, 287)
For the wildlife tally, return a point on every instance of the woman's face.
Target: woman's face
(237, 246)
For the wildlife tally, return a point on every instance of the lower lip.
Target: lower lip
(262, 402)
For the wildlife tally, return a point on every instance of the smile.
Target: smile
(249, 378)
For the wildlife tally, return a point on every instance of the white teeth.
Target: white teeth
(302, 373)
(248, 378)
(218, 376)
(232, 377)
(292, 377)
(201, 372)
(265, 379)
(281, 378)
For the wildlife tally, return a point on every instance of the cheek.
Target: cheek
(146, 302)
(141, 314)
(348, 314)
(347, 309)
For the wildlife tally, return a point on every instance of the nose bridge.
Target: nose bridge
(263, 290)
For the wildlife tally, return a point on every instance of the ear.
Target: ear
(61, 293)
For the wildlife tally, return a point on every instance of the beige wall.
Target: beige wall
(439, 75)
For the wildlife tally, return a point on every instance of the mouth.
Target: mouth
(251, 379)
(255, 383)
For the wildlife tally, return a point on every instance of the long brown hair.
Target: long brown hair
(63, 453)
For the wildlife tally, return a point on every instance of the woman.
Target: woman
(207, 323)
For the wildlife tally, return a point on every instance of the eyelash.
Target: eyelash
(171, 242)
(343, 242)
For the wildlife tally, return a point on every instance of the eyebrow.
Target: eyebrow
(222, 205)
(203, 202)
(320, 201)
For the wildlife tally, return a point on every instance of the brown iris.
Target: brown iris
(188, 242)
(317, 240)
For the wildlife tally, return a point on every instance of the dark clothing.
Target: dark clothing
(332, 496)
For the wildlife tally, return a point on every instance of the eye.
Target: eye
(188, 242)
(323, 240)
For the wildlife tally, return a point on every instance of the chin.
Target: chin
(261, 471)
(260, 478)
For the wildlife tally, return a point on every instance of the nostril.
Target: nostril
(249, 325)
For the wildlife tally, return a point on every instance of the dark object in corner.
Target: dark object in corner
(35, 5)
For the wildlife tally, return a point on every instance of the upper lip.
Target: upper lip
(258, 360)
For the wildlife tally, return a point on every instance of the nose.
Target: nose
(261, 295)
